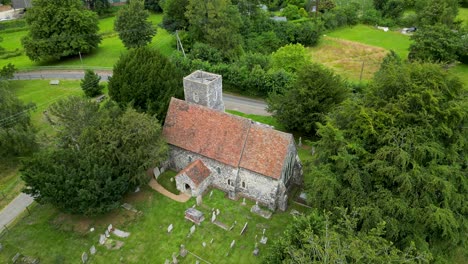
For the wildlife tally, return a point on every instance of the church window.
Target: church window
(218, 170)
(189, 159)
(243, 184)
(229, 182)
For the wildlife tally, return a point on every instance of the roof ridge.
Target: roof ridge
(244, 144)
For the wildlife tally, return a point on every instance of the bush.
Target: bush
(291, 12)
(90, 84)
(205, 52)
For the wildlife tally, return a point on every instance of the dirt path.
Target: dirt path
(157, 187)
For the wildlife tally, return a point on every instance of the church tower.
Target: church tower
(204, 88)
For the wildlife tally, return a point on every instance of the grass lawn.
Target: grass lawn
(106, 55)
(346, 57)
(375, 37)
(10, 182)
(59, 238)
(463, 15)
(165, 180)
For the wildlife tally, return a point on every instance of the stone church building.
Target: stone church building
(237, 155)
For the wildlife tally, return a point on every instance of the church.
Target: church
(209, 147)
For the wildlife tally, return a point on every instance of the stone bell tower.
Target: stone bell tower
(204, 88)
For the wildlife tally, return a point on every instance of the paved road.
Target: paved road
(14, 208)
(232, 102)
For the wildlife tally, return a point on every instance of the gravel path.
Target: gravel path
(157, 187)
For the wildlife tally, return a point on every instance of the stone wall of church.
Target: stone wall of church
(194, 191)
(223, 176)
(257, 187)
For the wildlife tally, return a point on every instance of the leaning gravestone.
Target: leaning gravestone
(204, 244)
(192, 229)
(92, 250)
(84, 257)
(199, 200)
(244, 228)
(107, 233)
(102, 239)
(174, 258)
(233, 243)
(183, 251)
(169, 228)
(213, 217)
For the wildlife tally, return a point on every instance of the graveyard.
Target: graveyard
(157, 229)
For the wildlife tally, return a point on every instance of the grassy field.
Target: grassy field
(165, 180)
(348, 58)
(54, 237)
(463, 15)
(105, 55)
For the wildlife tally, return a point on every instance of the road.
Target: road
(231, 102)
(13, 209)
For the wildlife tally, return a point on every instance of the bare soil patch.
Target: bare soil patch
(346, 57)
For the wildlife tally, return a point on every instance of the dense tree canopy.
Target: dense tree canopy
(60, 28)
(436, 43)
(17, 136)
(217, 23)
(90, 84)
(314, 94)
(147, 80)
(101, 154)
(398, 154)
(432, 12)
(98, 6)
(316, 239)
(153, 5)
(174, 15)
(133, 26)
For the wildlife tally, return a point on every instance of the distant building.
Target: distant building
(237, 155)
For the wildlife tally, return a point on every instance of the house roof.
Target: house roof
(227, 138)
(196, 171)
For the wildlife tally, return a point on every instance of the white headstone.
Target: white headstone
(91, 229)
(169, 228)
(156, 172)
(92, 250)
(233, 243)
(192, 229)
(217, 211)
(84, 257)
(211, 241)
(102, 239)
(107, 233)
(244, 228)
(264, 240)
(137, 189)
(174, 258)
(243, 201)
(211, 194)
(204, 244)
(109, 228)
(213, 217)
(199, 200)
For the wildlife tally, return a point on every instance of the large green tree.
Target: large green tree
(133, 26)
(174, 15)
(60, 28)
(100, 154)
(431, 12)
(146, 79)
(316, 239)
(216, 23)
(98, 6)
(153, 5)
(17, 135)
(437, 43)
(398, 153)
(313, 95)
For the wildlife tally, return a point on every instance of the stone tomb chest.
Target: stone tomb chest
(194, 215)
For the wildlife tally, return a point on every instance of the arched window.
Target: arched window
(190, 159)
(229, 182)
(218, 170)
(243, 184)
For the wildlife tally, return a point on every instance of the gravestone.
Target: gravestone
(102, 239)
(231, 195)
(243, 201)
(92, 250)
(16, 257)
(300, 142)
(169, 228)
(107, 234)
(110, 227)
(199, 200)
(211, 194)
(264, 239)
(213, 217)
(211, 241)
(54, 82)
(194, 215)
(91, 229)
(244, 228)
(174, 258)
(137, 189)
(183, 251)
(192, 229)
(233, 243)
(167, 262)
(84, 257)
(204, 244)
(156, 173)
(217, 211)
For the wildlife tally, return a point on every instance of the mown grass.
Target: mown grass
(375, 37)
(165, 180)
(463, 15)
(268, 120)
(106, 55)
(57, 238)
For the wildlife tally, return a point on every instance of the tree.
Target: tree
(174, 15)
(398, 153)
(133, 26)
(60, 28)
(17, 135)
(216, 23)
(432, 12)
(436, 43)
(153, 5)
(147, 80)
(7, 71)
(98, 6)
(291, 57)
(315, 93)
(317, 239)
(101, 153)
(90, 84)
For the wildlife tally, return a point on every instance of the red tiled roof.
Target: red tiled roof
(196, 171)
(229, 139)
(265, 151)
(211, 133)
